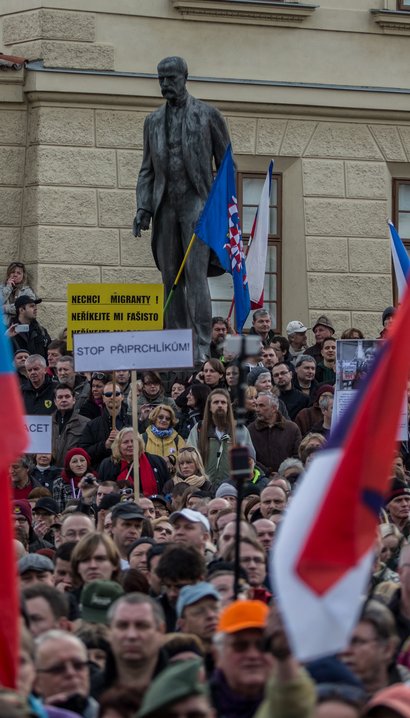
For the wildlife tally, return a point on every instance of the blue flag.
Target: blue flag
(219, 227)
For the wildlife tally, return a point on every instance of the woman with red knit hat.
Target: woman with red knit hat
(77, 469)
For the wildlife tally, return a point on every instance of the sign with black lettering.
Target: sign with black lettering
(39, 431)
(113, 307)
(168, 349)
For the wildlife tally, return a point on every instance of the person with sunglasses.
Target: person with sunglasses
(98, 436)
(14, 286)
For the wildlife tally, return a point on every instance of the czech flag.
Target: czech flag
(13, 442)
(401, 260)
(324, 553)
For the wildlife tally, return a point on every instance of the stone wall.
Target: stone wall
(79, 202)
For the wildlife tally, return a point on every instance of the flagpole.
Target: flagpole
(180, 270)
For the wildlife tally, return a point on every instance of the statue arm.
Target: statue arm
(220, 136)
(145, 187)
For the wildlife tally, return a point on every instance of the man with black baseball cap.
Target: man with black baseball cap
(44, 515)
(127, 520)
(36, 339)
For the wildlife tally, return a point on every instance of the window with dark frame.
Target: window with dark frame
(401, 213)
(403, 5)
(249, 188)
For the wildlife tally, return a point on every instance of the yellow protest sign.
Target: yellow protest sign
(113, 308)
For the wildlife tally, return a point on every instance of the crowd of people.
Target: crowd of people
(129, 601)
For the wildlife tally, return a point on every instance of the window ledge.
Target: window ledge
(393, 22)
(245, 12)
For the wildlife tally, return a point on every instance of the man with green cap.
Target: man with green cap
(177, 692)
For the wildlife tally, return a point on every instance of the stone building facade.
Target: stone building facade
(323, 89)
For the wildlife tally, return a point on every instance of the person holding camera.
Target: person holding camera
(25, 331)
(76, 480)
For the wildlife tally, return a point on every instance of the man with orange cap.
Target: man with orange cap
(247, 647)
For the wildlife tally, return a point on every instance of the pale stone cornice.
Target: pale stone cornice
(392, 22)
(245, 12)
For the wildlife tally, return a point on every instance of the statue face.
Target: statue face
(172, 81)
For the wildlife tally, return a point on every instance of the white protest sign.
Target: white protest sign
(39, 431)
(159, 350)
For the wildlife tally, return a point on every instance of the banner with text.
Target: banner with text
(167, 349)
(353, 361)
(39, 432)
(113, 307)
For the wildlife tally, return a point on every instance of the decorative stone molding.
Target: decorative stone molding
(392, 22)
(245, 12)
(63, 39)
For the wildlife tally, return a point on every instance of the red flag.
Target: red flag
(12, 444)
(324, 553)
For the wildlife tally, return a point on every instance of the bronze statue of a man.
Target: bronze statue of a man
(181, 140)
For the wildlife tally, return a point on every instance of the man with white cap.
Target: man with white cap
(191, 528)
(296, 332)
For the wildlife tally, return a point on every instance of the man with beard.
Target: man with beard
(214, 436)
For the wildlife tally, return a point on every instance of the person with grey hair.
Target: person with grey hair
(326, 407)
(305, 368)
(38, 390)
(291, 469)
(63, 674)
(182, 139)
(273, 437)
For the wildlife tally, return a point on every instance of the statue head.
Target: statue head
(172, 76)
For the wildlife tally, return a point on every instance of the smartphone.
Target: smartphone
(21, 328)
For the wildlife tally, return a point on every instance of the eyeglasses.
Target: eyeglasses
(253, 559)
(240, 645)
(60, 668)
(164, 416)
(151, 383)
(109, 394)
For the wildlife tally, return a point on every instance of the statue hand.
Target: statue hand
(141, 221)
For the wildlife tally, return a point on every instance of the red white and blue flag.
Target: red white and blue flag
(324, 553)
(13, 442)
(219, 227)
(258, 245)
(401, 260)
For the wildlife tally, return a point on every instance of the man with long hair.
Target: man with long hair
(214, 435)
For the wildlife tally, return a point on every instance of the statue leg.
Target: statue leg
(196, 280)
(170, 254)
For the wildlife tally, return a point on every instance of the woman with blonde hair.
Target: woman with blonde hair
(153, 472)
(189, 469)
(160, 438)
(15, 286)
